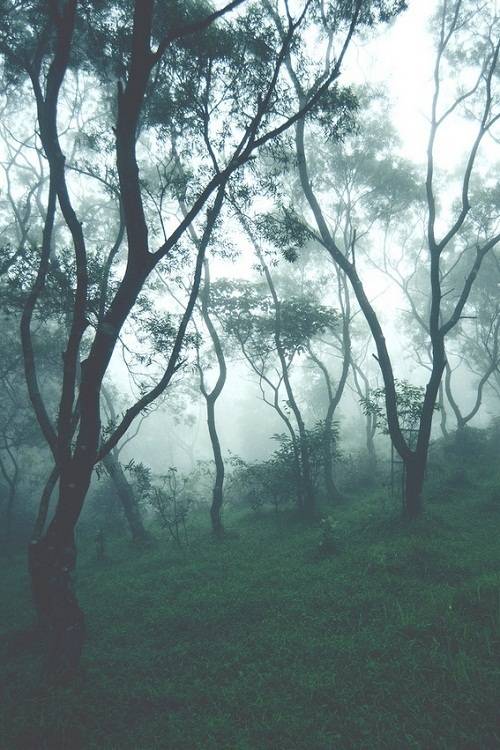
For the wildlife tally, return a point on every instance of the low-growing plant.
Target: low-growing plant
(172, 504)
(272, 481)
(260, 483)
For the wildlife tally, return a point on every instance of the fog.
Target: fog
(250, 358)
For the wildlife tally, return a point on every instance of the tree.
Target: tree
(220, 88)
(211, 396)
(365, 185)
(272, 333)
(455, 24)
(124, 490)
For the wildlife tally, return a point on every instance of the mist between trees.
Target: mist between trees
(222, 282)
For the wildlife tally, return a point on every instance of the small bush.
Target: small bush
(172, 505)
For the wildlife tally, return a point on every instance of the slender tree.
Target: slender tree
(481, 96)
(211, 395)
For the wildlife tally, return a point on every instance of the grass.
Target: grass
(261, 643)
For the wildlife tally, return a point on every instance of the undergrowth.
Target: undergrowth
(392, 640)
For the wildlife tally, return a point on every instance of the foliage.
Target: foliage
(142, 479)
(103, 510)
(409, 399)
(261, 483)
(172, 505)
(394, 639)
(248, 314)
(273, 481)
(168, 495)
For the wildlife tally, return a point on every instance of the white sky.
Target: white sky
(401, 59)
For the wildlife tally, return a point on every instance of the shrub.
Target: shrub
(172, 504)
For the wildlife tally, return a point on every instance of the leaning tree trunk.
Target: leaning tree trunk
(127, 497)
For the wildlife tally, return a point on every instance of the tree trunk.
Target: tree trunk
(331, 488)
(309, 503)
(442, 410)
(127, 498)
(414, 482)
(51, 560)
(11, 481)
(332, 491)
(308, 499)
(370, 444)
(211, 400)
(217, 494)
(8, 514)
(43, 507)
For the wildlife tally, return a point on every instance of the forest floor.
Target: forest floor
(261, 642)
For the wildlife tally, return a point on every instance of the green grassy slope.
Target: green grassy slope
(258, 642)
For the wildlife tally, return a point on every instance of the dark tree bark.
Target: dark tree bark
(414, 482)
(211, 400)
(52, 558)
(43, 507)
